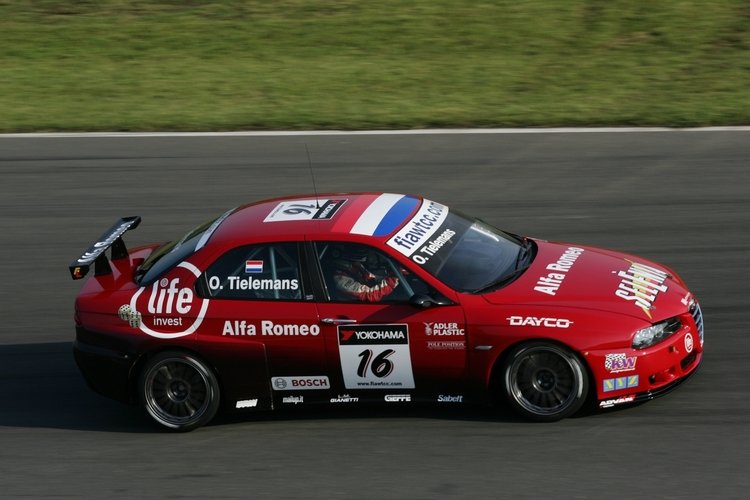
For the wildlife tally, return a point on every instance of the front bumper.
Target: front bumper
(633, 375)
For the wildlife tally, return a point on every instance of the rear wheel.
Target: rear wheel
(179, 391)
(544, 381)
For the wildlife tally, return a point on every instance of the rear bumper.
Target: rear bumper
(106, 369)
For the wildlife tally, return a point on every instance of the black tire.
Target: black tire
(179, 391)
(544, 381)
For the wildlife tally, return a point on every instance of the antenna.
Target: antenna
(312, 175)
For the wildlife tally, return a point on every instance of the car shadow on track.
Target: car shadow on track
(40, 386)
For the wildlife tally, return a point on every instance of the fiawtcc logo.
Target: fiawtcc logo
(165, 308)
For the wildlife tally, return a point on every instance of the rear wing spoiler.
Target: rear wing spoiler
(94, 254)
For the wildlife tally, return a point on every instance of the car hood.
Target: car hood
(577, 276)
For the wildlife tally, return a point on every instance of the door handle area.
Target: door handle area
(338, 321)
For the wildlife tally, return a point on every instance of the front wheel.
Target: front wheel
(544, 381)
(179, 391)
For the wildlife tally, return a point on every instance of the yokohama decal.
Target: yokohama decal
(168, 308)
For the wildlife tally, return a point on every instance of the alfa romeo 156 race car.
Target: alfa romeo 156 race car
(346, 299)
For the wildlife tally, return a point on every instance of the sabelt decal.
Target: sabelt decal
(550, 283)
(450, 399)
(304, 210)
(302, 383)
(375, 356)
(168, 308)
(641, 284)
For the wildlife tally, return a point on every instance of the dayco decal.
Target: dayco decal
(534, 321)
(551, 283)
(641, 284)
(443, 329)
(268, 328)
(615, 363)
(419, 229)
(300, 383)
(250, 283)
(161, 310)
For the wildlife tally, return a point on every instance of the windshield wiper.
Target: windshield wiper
(523, 252)
(502, 281)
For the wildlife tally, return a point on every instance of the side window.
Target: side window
(359, 273)
(256, 272)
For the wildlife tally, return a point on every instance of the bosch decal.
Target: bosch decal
(551, 283)
(300, 383)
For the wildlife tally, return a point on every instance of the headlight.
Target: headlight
(656, 333)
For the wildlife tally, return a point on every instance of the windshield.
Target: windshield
(170, 254)
(467, 254)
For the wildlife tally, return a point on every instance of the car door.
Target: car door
(261, 313)
(381, 345)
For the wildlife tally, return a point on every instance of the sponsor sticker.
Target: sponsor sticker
(446, 345)
(535, 321)
(375, 356)
(607, 403)
(293, 399)
(168, 308)
(443, 330)
(450, 399)
(306, 383)
(246, 403)
(641, 284)
(345, 398)
(398, 398)
(615, 363)
(304, 210)
(619, 383)
(417, 232)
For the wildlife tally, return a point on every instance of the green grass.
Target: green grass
(292, 64)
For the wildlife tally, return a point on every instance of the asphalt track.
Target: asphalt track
(682, 198)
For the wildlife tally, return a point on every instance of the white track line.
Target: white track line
(285, 133)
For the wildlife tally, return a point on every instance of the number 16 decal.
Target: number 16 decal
(375, 356)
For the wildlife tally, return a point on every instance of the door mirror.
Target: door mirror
(425, 301)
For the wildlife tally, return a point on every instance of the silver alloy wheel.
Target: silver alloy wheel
(545, 382)
(179, 391)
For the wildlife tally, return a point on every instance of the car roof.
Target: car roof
(293, 217)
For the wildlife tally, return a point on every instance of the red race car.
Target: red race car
(369, 297)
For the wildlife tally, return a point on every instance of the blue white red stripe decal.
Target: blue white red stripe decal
(384, 215)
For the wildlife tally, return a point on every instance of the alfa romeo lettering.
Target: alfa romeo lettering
(550, 283)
